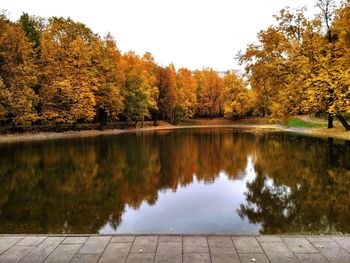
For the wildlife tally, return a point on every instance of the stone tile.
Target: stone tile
(268, 239)
(222, 248)
(63, 253)
(259, 258)
(39, 253)
(146, 244)
(145, 248)
(195, 245)
(224, 258)
(85, 258)
(313, 239)
(95, 244)
(170, 239)
(74, 240)
(246, 245)
(284, 259)
(335, 254)
(8, 241)
(219, 239)
(222, 251)
(299, 245)
(278, 252)
(169, 252)
(330, 249)
(169, 248)
(140, 240)
(15, 253)
(344, 242)
(31, 241)
(122, 239)
(311, 258)
(163, 258)
(115, 252)
(196, 258)
(140, 258)
(323, 242)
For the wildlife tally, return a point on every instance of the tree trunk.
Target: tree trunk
(102, 117)
(155, 118)
(75, 126)
(142, 123)
(136, 123)
(155, 123)
(343, 122)
(330, 121)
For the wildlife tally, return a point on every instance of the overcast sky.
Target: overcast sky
(189, 33)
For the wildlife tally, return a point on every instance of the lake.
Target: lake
(217, 180)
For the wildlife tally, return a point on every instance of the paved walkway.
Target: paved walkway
(186, 249)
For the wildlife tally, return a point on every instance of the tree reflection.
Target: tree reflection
(78, 186)
(302, 185)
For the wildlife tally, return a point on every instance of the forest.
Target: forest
(56, 71)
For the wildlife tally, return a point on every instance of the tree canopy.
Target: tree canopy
(58, 71)
(301, 65)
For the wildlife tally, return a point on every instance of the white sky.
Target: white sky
(189, 33)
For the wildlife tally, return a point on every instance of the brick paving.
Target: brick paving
(173, 248)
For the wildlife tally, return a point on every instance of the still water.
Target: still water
(177, 181)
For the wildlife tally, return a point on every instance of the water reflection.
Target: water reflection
(302, 185)
(217, 180)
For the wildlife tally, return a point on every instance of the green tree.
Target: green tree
(31, 27)
(138, 92)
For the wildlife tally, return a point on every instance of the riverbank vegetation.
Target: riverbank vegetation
(302, 65)
(57, 73)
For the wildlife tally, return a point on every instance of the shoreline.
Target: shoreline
(42, 136)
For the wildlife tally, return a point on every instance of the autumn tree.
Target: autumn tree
(296, 67)
(151, 67)
(67, 89)
(209, 89)
(265, 67)
(341, 28)
(238, 100)
(168, 96)
(327, 85)
(138, 92)
(18, 74)
(108, 77)
(186, 91)
(279, 64)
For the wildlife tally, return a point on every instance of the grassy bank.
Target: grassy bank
(299, 123)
